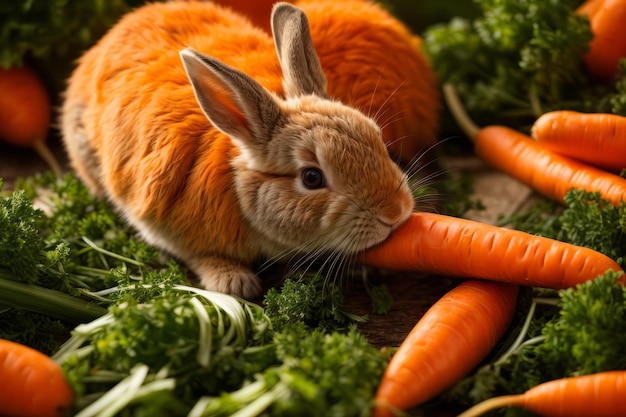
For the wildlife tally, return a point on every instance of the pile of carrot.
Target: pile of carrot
(33, 385)
(550, 173)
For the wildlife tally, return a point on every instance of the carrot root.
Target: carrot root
(492, 404)
(599, 395)
(48, 157)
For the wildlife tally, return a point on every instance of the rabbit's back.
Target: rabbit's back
(133, 128)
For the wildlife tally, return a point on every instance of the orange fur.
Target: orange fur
(258, 11)
(372, 62)
(191, 153)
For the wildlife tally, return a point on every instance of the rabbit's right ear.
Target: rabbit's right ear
(233, 102)
(301, 66)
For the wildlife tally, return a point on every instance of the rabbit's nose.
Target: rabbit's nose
(398, 211)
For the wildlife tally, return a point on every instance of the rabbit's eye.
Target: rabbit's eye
(312, 178)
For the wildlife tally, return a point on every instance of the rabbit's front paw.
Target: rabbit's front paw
(223, 275)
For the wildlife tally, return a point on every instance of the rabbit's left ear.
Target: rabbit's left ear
(234, 102)
(300, 64)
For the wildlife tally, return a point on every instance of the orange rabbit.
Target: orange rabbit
(228, 158)
(372, 62)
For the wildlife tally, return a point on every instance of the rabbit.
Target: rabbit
(372, 62)
(220, 145)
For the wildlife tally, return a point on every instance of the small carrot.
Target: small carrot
(452, 337)
(521, 157)
(608, 45)
(33, 385)
(439, 244)
(597, 139)
(597, 395)
(25, 112)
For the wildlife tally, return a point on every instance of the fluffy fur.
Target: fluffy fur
(372, 62)
(206, 162)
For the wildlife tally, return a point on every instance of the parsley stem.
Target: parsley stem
(46, 301)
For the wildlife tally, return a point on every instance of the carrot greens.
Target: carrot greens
(517, 60)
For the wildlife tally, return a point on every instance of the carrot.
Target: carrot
(598, 139)
(25, 112)
(597, 395)
(521, 157)
(439, 244)
(33, 385)
(454, 335)
(609, 43)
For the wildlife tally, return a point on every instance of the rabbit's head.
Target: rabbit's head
(312, 173)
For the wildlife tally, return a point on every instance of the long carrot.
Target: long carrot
(452, 338)
(597, 395)
(439, 244)
(597, 139)
(608, 45)
(521, 157)
(25, 112)
(33, 385)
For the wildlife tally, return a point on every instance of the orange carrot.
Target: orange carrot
(25, 112)
(521, 157)
(597, 395)
(598, 139)
(609, 43)
(452, 338)
(33, 385)
(439, 244)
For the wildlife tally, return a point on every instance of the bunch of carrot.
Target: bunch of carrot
(25, 112)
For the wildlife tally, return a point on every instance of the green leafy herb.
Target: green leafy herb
(517, 60)
(317, 373)
(308, 298)
(148, 343)
(54, 33)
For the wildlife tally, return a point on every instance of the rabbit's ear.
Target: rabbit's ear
(233, 102)
(301, 66)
